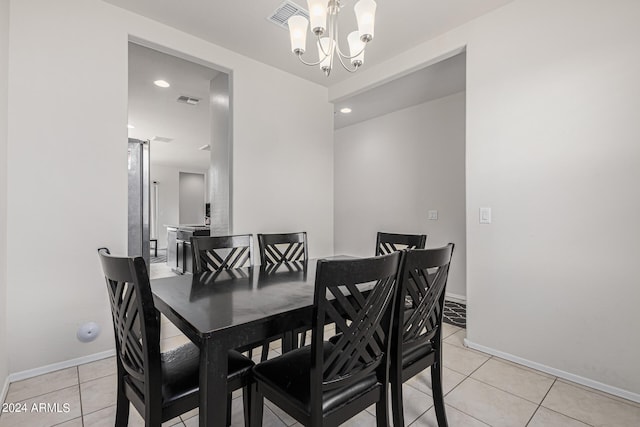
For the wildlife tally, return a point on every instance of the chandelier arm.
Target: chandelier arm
(299, 55)
(347, 56)
(346, 67)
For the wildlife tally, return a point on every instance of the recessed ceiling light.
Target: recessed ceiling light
(345, 110)
(161, 83)
(131, 127)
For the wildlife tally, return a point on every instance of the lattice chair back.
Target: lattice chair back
(285, 247)
(422, 291)
(213, 253)
(387, 243)
(136, 324)
(356, 295)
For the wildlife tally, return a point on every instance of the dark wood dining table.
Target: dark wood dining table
(232, 309)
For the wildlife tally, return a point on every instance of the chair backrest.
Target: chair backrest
(358, 296)
(136, 323)
(285, 247)
(387, 243)
(420, 303)
(213, 253)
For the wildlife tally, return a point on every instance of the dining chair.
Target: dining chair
(417, 337)
(327, 383)
(391, 242)
(212, 253)
(283, 247)
(161, 386)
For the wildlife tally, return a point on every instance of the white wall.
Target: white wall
(191, 198)
(552, 147)
(4, 85)
(220, 169)
(390, 170)
(67, 162)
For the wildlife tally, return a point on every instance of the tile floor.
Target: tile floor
(481, 390)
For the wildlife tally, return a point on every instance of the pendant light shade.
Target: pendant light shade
(366, 17)
(298, 32)
(318, 16)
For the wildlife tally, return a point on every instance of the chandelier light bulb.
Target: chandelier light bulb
(298, 33)
(366, 16)
(318, 16)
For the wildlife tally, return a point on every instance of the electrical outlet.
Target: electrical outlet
(432, 215)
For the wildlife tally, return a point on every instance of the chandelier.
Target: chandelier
(324, 25)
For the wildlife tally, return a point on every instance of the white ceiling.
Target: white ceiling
(241, 26)
(155, 111)
(436, 81)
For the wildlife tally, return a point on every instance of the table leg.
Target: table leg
(213, 384)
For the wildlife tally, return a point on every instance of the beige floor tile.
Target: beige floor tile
(601, 393)
(547, 418)
(415, 403)
(192, 413)
(169, 330)
(448, 329)
(98, 394)
(462, 360)
(173, 342)
(286, 418)
(258, 354)
(422, 381)
(526, 368)
(512, 379)
(76, 422)
(42, 384)
(97, 369)
(455, 418)
(106, 418)
(363, 419)
(269, 419)
(457, 338)
(490, 405)
(45, 410)
(591, 408)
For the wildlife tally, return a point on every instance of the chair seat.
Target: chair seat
(289, 374)
(411, 354)
(181, 368)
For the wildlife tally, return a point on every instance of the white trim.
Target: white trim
(5, 390)
(455, 298)
(18, 376)
(634, 397)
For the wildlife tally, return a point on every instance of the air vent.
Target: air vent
(285, 11)
(161, 139)
(188, 100)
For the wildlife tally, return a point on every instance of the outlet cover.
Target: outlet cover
(432, 215)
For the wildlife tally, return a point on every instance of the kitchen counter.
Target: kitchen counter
(179, 254)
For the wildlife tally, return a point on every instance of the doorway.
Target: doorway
(174, 104)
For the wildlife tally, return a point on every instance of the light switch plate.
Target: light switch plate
(485, 215)
(432, 215)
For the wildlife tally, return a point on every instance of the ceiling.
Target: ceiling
(436, 81)
(241, 26)
(155, 111)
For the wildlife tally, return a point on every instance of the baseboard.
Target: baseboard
(19, 376)
(5, 390)
(625, 394)
(455, 298)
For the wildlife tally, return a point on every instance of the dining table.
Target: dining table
(235, 309)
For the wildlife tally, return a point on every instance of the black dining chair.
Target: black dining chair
(161, 386)
(283, 247)
(282, 250)
(387, 243)
(212, 253)
(327, 383)
(417, 340)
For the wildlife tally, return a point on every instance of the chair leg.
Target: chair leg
(265, 352)
(395, 378)
(256, 406)
(382, 408)
(438, 397)
(247, 393)
(122, 406)
(229, 399)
